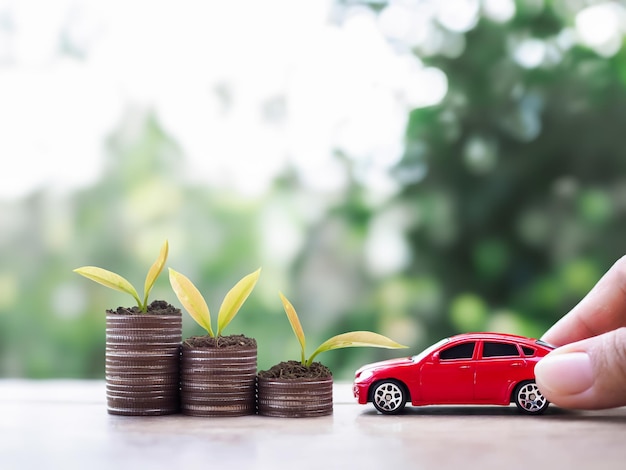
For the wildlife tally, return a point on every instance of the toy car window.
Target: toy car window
(459, 351)
(528, 351)
(430, 349)
(494, 349)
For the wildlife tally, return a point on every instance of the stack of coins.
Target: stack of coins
(142, 364)
(295, 398)
(218, 382)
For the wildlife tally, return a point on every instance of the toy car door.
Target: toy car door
(498, 368)
(448, 375)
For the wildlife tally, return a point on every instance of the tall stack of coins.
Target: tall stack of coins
(142, 364)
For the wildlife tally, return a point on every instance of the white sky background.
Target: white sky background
(346, 86)
(337, 87)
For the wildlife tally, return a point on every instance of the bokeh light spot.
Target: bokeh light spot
(468, 312)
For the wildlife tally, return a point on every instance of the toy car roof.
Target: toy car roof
(499, 336)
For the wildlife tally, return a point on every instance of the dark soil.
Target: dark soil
(295, 370)
(220, 342)
(157, 307)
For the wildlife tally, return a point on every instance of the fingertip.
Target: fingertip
(620, 265)
(561, 377)
(589, 374)
(550, 336)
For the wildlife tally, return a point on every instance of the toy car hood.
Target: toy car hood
(384, 364)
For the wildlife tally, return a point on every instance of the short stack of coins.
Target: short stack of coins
(295, 398)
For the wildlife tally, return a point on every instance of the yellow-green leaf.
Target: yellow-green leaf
(235, 299)
(294, 321)
(109, 279)
(154, 272)
(192, 300)
(353, 339)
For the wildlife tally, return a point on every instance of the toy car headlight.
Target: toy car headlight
(366, 374)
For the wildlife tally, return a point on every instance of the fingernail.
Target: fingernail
(565, 374)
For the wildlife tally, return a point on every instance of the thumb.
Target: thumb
(588, 374)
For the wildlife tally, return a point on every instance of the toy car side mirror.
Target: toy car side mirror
(435, 357)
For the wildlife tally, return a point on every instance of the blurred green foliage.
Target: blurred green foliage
(512, 204)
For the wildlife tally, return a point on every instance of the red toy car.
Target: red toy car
(468, 369)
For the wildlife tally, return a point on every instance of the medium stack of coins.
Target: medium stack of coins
(218, 382)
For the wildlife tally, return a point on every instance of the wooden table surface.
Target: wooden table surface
(64, 424)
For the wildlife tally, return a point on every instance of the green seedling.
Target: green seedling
(194, 303)
(345, 340)
(117, 282)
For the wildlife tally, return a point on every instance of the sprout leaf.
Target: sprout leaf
(109, 279)
(235, 299)
(295, 322)
(154, 272)
(353, 339)
(192, 300)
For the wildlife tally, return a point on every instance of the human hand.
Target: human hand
(588, 370)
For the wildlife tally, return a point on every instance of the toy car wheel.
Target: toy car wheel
(529, 399)
(389, 397)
